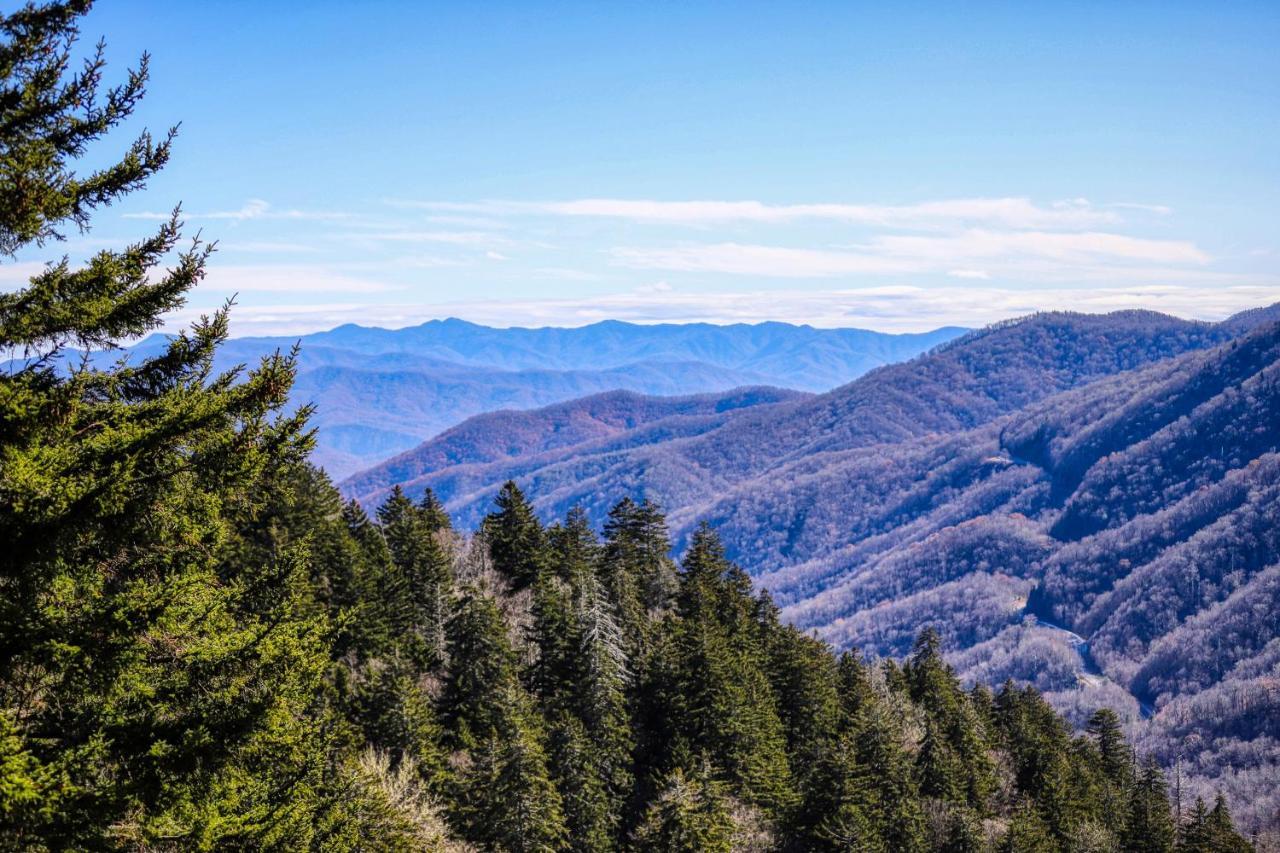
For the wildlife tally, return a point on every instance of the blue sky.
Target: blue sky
(894, 166)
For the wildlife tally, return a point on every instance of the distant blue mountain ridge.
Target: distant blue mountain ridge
(379, 392)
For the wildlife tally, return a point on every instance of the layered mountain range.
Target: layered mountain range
(1088, 503)
(378, 392)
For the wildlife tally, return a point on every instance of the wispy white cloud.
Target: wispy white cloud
(454, 238)
(754, 260)
(289, 278)
(15, 276)
(897, 308)
(946, 213)
(656, 287)
(1158, 209)
(1060, 246)
(1037, 254)
(265, 247)
(891, 266)
(486, 241)
(254, 208)
(565, 274)
(475, 222)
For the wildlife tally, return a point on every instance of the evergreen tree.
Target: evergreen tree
(897, 808)
(554, 673)
(953, 765)
(425, 577)
(1193, 834)
(1028, 833)
(1150, 826)
(433, 513)
(1211, 830)
(517, 542)
(940, 770)
(1221, 832)
(650, 547)
(1115, 757)
(592, 813)
(506, 796)
(842, 805)
(507, 800)
(575, 553)
(482, 673)
(157, 688)
(1114, 767)
(728, 709)
(623, 571)
(398, 717)
(859, 792)
(689, 815)
(701, 576)
(1051, 769)
(382, 615)
(803, 675)
(962, 832)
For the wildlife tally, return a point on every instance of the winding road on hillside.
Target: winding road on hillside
(1090, 673)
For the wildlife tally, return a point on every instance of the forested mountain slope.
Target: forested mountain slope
(508, 434)
(1133, 512)
(378, 392)
(1139, 512)
(366, 413)
(962, 384)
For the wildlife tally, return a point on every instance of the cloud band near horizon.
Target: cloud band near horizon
(961, 261)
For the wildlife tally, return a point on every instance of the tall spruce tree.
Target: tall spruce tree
(381, 616)
(689, 815)
(1114, 766)
(1150, 827)
(841, 801)
(1193, 834)
(433, 512)
(1115, 757)
(425, 585)
(637, 569)
(155, 688)
(954, 738)
(574, 549)
(1219, 832)
(622, 572)
(805, 679)
(592, 813)
(727, 706)
(516, 539)
(554, 672)
(507, 800)
(505, 796)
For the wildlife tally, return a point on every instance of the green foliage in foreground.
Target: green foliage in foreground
(202, 648)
